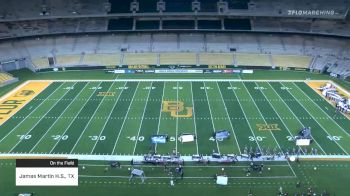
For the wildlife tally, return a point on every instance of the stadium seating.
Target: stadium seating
(291, 61)
(245, 59)
(41, 63)
(216, 58)
(102, 59)
(68, 60)
(5, 77)
(140, 59)
(178, 59)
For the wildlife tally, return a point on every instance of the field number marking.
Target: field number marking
(24, 137)
(257, 138)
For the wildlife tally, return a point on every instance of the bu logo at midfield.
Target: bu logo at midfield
(176, 107)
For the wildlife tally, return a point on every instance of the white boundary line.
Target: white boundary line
(57, 119)
(160, 116)
(143, 115)
(284, 124)
(121, 128)
(211, 116)
(322, 110)
(14, 90)
(229, 118)
(245, 117)
(182, 80)
(177, 119)
(31, 129)
(194, 118)
(108, 119)
(296, 118)
(87, 100)
(266, 123)
(316, 121)
(88, 123)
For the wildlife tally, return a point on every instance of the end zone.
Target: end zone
(17, 99)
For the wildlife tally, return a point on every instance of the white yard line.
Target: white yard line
(194, 117)
(88, 123)
(322, 110)
(295, 116)
(245, 116)
(74, 118)
(290, 133)
(125, 118)
(29, 114)
(49, 129)
(177, 118)
(233, 130)
(13, 91)
(318, 122)
(270, 130)
(30, 130)
(160, 116)
(211, 116)
(143, 115)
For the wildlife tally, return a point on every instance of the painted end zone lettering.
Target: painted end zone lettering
(18, 99)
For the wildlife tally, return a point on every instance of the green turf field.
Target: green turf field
(332, 177)
(118, 117)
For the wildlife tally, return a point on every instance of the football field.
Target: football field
(118, 117)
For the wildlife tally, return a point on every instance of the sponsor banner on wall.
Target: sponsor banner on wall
(149, 71)
(217, 71)
(129, 71)
(119, 71)
(247, 71)
(179, 71)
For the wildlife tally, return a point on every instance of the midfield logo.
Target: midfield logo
(268, 127)
(176, 107)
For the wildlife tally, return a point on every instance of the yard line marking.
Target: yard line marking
(245, 116)
(110, 113)
(29, 114)
(49, 129)
(212, 122)
(194, 117)
(318, 123)
(74, 118)
(233, 130)
(30, 130)
(295, 116)
(87, 124)
(125, 118)
(262, 92)
(160, 116)
(177, 113)
(321, 109)
(270, 130)
(143, 115)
